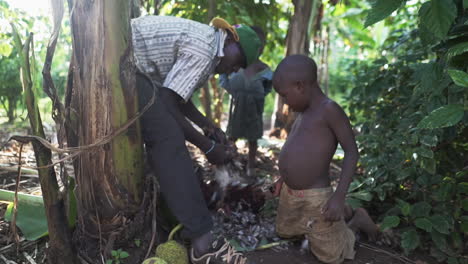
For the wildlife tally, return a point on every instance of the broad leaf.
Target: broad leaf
(438, 16)
(429, 75)
(444, 116)
(430, 141)
(237, 246)
(426, 152)
(440, 224)
(31, 218)
(390, 222)
(410, 240)
(429, 165)
(458, 49)
(440, 240)
(445, 192)
(424, 224)
(361, 195)
(459, 77)
(356, 184)
(124, 254)
(354, 203)
(420, 209)
(382, 9)
(5, 49)
(404, 207)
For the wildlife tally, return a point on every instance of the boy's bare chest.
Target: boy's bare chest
(309, 135)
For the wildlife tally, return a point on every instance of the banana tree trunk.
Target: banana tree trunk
(102, 97)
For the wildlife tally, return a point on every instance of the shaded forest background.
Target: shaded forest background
(398, 67)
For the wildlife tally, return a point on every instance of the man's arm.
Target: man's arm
(341, 127)
(172, 100)
(190, 111)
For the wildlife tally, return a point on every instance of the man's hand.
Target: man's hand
(216, 134)
(334, 208)
(219, 155)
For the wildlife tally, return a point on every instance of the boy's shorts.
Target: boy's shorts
(299, 213)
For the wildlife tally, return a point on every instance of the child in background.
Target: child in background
(248, 89)
(308, 205)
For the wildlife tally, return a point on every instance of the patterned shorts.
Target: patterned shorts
(299, 213)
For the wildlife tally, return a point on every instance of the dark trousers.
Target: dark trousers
(170, 159)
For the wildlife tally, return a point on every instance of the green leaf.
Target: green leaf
(354, 203)
(440, 224)
(5, 49)
(381, 9)
(137, 242)
(236, 245)
(410, 240)
(438, 16)
(465, 4)
(114, 253)
(452, 260)
(430, 141)
(390, 222)
(124, 254)
(404, 207)
(459, 77)
(424, 224)
(31, 218)
(109, 261)
(458, 49)
(444, 116)
(361, 195)
(444, 192)
(440, 240)
(426, 152)
(429, 165)
(356, 184)
(420, 209)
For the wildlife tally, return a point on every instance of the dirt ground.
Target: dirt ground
(32, 252)
(364, 255)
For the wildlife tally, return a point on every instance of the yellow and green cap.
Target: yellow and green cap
(249, 42)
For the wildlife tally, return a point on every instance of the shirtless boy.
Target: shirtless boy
(308, 206)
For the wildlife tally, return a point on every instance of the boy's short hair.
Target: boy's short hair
(298, 67)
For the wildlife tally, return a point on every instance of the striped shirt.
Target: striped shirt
(176, 53)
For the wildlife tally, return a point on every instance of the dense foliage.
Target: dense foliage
(410, 107)
(10, 85)
(10, 82)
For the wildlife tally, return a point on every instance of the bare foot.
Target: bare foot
(361, 221)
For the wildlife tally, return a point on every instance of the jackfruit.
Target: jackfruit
(171, 251)
(154, 260)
